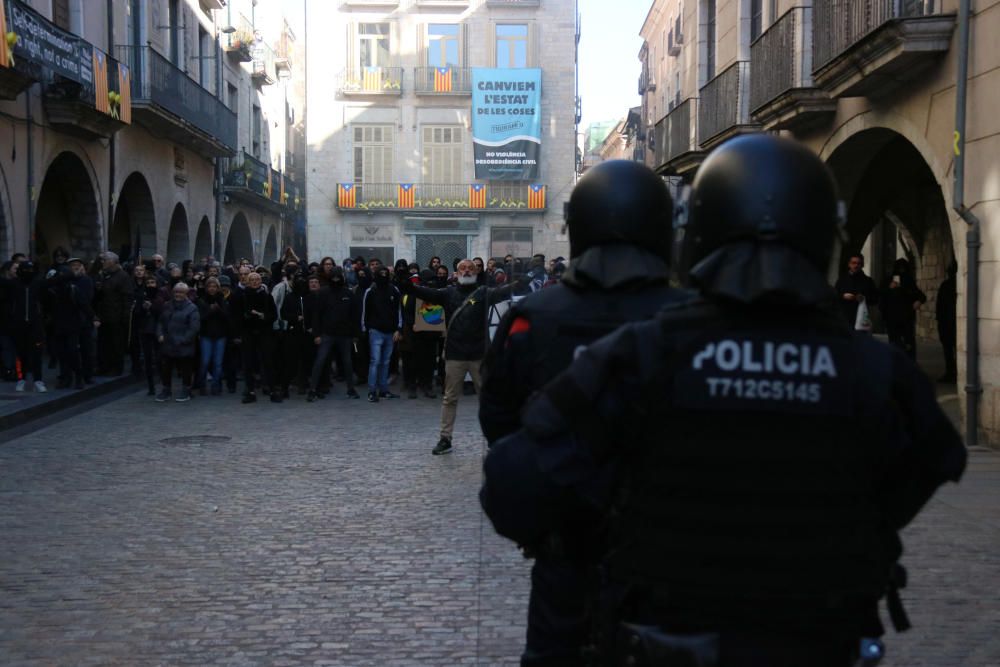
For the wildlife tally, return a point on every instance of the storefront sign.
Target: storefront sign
(374, 234)
(43, 43)
(506, 123)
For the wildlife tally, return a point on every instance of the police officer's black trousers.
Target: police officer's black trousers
(558, 624)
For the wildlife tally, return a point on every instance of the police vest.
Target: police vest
(749, 495)
(565, 320)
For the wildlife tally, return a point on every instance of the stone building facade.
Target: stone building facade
(149, 126)
(875, 98)
(391, 104)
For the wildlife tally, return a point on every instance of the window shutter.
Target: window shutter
(60, 13)
(352, 45)
(533, 60)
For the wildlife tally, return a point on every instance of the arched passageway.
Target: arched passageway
(6, 232)
(178, 239)
(270, 246)
(67, 213)
(239, 243)
(134, 229)
(895, 210)
(203, 241)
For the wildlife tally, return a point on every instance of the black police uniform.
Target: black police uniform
(754, 458)
(619, 221)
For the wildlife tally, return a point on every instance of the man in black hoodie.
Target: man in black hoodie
(382, 319)
(334, 326)
(253, 315)
(466, 308)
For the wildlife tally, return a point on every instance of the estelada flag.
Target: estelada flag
(345, 195)
(477, 195)
(371, 79)
(405, 195)
(5, 49)
(536, 196)
(442, 79)
(125, 90)
(101, 101)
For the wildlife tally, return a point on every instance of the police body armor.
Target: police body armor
(756, 511)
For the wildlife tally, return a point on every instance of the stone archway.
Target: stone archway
(270, 246)
(203, 241)
(133, 231)
(67, 214)
(178, 239)
(896, 206)
(239, 242)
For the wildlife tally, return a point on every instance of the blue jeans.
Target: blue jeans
(380, 345)
(213, 351)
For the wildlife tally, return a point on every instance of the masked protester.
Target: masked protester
(419, 346)
(335, 325)
(25, 321)
(289, 327)
(382, 320)
(71, 292)
(746, 521)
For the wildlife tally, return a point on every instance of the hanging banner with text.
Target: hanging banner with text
(506, 123)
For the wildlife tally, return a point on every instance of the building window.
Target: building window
(512, 45)
(373, 45)
(515, 241)
(60, 14)
(233, 97)
(442, 154)
(373, 147)
(442, 45)
(756, 18)
(174, 23)
(709, 40)
(205, 58)
(255, 132)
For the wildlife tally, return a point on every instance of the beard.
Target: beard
(466, 280)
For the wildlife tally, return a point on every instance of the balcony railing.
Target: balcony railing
(372, 81)
(839, 24)
(674, 137)
(428, 197)
(241, 40)
(724, 104)
(169, 101)
(442, 81)
(775, 60)
(263, 71)
(256, 182)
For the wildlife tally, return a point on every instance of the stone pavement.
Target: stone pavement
(212, 533)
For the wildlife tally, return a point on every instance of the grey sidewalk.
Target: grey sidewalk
(212, 533)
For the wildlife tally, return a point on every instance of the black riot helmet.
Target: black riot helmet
(620, 201)
(763, 217)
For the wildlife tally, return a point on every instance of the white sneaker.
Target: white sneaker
(40, 387)
(19, 386)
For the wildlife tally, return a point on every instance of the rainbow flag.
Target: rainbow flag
(442, 79)
(477, 195)
(101, 101)
(405, 195)
(371, 79)
(536, 196)
(346, 195)
(125, 90)
(6, 57)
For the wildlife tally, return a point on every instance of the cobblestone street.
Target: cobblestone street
(212, 533)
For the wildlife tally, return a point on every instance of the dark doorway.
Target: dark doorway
(67, 213)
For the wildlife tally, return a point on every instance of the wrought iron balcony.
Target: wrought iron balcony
(723, 110)
(676, 147)
(371, 81)
(494, 197)
(782, 94)
(240, 42)
(869, 47)
(173, 105)
(256, 183)
(442, 80)
(262, 72)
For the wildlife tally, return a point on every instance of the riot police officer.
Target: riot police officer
(619, 220)
(754, 458)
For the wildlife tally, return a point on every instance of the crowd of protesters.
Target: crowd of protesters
(201, 327)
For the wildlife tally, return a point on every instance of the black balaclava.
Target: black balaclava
(382, 276)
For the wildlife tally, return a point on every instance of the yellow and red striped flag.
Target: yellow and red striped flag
(442, 79)
(345, 195)
(6, 55)
(268, 186)
(372, 79)
(405, 196)
(101, 101)
(536, 196)
(281, 190)
(477, 195)
(125, 90)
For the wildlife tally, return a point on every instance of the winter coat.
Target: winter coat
(115, 292)
(381, 309)
(466, 338)
(214, 320)
(179, 325)
(246, 300)
(337, 313)
(71, 299)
